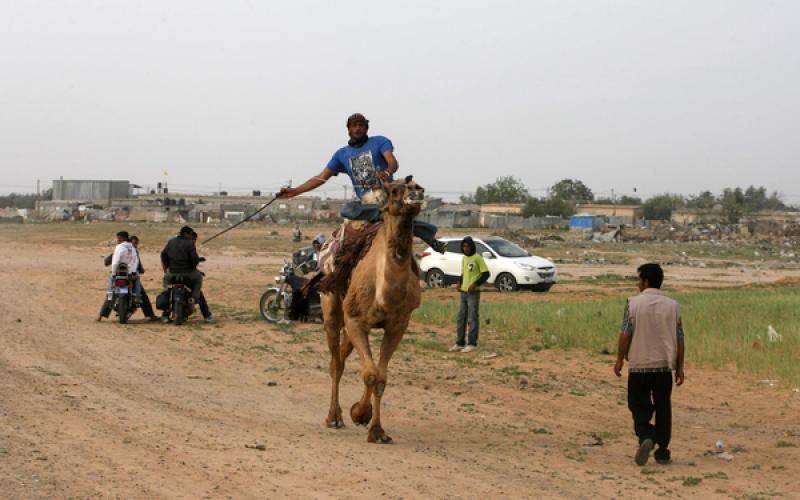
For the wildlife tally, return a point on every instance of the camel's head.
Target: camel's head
(405, 197)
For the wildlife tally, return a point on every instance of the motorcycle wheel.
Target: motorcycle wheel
(178, 307)
(122, 309)
(273, 308)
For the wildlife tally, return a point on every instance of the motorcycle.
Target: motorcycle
(176, 300)
(178, 303)
(122, 296)
(285, 302)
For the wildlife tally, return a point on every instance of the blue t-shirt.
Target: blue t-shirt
(361, 164)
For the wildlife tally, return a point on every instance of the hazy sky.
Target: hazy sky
(675, 96)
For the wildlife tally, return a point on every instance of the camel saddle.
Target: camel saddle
(341, 253)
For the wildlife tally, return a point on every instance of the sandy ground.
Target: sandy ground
(157, 411)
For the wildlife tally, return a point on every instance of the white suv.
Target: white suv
(510, 267)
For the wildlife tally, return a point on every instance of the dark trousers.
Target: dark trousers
(650, 393)
(355, 210)
(468, 314)
(194, 279)
(203, 305)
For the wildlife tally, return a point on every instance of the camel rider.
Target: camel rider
(369, 162)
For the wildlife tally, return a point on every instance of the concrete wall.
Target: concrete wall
(90, 190)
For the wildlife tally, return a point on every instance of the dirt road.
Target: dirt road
(236, 409)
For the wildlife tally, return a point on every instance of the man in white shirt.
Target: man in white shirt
(124, 253)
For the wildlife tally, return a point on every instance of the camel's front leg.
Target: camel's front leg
(333, 327)
(391, 339)
(358, 333)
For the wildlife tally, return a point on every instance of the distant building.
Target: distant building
(502, 208)
(91, 190)
(687, 216)
(615, 214)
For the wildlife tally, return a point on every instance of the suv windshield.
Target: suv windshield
(506, 249)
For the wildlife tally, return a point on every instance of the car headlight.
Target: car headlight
(526, 267)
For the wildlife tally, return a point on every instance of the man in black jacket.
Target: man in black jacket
(179, 258)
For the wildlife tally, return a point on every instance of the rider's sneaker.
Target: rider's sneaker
(469, 348)
(165, 319)
(456, 348)
(439, 246)
(209, 319)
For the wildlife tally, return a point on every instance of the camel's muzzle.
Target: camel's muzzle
(414, 197)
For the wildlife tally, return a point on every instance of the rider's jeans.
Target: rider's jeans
(355, 210)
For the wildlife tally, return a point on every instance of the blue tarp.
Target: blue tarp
(585, 221)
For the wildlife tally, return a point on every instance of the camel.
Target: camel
(382, 293)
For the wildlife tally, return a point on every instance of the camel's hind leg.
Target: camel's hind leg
(334, 322)
(391, 339)
(358, 333)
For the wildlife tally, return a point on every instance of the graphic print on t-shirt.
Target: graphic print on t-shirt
(471, 266)
(363, 170)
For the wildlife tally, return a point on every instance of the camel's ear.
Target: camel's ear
(409, 178)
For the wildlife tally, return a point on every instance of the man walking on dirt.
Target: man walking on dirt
(652, 341)
(369, 162)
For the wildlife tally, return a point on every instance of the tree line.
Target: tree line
(26, 200)
(564, 195)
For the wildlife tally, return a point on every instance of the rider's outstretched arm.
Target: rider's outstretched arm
(308, 185)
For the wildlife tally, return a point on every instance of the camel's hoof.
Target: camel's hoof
(378, 437)
(371, 380)
(334, 424)
(379, 388)
(361, 416)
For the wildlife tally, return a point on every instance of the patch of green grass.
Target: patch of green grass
(723, 327)
(785, 444)
(511, 371)
(539, 430)
(467, 362)
(692, 481)
(607, 277)
(426, 344)
(715, 475)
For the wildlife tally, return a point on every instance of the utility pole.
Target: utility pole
(109, 195)
(37, 188)
(613, 203)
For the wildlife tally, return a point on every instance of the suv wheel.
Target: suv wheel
(506, 283)
(435, 278)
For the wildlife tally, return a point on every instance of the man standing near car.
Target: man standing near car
(474, 273)
(369, 162)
